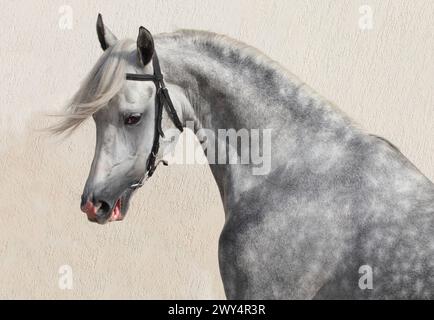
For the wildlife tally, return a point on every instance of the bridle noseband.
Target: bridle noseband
(162, 99)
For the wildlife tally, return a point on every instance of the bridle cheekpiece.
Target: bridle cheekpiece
(162, 100)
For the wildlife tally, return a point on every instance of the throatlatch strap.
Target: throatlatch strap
(164, 93)
(171, 109)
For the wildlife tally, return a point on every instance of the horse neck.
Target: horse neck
(230, 87)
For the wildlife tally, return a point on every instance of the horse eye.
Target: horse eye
(133, 118)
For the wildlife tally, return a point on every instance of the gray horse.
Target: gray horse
(340, 214)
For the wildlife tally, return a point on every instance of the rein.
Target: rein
(162, 99)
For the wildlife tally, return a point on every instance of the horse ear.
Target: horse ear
(105, 36)
(145, 46)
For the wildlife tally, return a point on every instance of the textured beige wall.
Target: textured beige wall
(167, 246)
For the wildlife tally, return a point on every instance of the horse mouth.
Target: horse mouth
(116, 213)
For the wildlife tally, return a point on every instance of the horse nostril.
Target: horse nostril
(104, 206)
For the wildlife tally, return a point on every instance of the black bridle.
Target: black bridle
(162, 99)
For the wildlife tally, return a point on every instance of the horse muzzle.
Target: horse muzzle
(100, 211)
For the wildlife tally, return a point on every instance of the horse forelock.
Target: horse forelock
(102, 83)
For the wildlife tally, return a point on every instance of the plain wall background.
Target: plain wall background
(167, 246)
